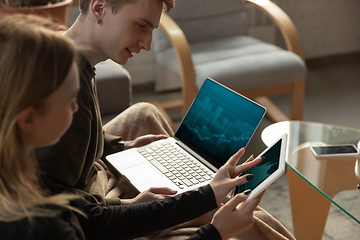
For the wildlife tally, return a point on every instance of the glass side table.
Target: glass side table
(314, 182)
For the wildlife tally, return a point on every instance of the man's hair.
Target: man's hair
(117, 4)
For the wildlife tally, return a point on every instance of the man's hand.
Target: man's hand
(143, 140)
(154, 193)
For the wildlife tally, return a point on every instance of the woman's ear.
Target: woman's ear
(26, 119)
(98, 9)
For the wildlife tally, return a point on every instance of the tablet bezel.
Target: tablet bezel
(275, 175)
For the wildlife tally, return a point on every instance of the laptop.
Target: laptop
(219, 122)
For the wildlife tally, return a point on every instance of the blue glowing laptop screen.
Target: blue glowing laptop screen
(219, 122)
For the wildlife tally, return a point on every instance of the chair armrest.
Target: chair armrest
(283, 22)
(183, 54)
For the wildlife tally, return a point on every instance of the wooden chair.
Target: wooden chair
(184, 45)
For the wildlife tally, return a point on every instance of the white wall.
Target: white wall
(326, 27)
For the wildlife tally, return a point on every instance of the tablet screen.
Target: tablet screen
(262, 171)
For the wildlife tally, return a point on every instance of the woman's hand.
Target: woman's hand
(154, 193)
(227, 178)
(232, 219)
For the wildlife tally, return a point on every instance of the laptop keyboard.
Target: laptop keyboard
(177, 164)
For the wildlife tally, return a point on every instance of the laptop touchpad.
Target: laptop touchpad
(145, 171)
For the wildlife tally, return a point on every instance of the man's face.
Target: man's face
(129, 30)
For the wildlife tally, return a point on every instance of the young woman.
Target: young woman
(38, 88)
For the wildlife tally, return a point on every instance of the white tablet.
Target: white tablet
(270, 169)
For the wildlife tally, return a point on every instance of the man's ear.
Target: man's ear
(97, 8)
(26, 119)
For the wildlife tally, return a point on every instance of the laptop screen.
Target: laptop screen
(219, 122)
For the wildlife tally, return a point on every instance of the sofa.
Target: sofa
(114, 89)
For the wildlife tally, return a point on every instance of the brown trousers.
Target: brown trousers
(145, 118)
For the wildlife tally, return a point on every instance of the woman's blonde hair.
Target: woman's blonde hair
(34, 61)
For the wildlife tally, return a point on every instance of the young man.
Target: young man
(100, 34)
(117, 29)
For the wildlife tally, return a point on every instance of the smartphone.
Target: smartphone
(342, 150)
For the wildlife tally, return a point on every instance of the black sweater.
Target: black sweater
(118, 221)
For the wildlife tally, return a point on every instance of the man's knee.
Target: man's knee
(145, 106)
(147, 110)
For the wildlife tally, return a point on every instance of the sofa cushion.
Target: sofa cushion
(113, 84)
